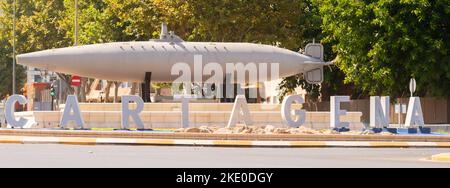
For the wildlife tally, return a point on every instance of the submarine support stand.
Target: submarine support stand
(145, 87)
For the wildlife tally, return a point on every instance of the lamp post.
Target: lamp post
(76, 23)
(14, 50)
(76, 88)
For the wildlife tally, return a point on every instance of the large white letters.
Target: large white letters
(240, 112)
(185, 111)
(286, 111)
(414, 116)
(72, 105)
(379, 112)
(10, 108)
(134, 114)
(336, 112)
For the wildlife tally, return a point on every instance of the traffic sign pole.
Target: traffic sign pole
(412, 86)
(400, 113)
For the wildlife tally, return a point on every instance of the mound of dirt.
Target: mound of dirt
(269, 129)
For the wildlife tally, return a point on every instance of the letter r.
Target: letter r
(134, 114)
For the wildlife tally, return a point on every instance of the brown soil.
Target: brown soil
(269, 129)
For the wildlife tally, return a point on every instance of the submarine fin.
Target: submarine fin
(314, 50)
(164, 33)
(314, 76)
(168, 36)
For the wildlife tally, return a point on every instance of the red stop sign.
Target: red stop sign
(76, 81)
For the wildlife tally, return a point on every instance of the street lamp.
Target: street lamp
(14, 50)
(76, 89)
(76, 22)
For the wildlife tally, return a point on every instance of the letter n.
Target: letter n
(379, 111)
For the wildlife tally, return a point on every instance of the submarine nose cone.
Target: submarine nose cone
(34, 59)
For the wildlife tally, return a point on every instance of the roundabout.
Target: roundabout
(168, 138)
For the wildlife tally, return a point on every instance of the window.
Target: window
(37, 78)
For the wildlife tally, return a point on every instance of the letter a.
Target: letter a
(72, 104)
(414, 116)
(240, 112)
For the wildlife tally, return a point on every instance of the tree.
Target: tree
(36, 29)
(159, 86)
(260, 21)
(92, 29)
(311, 23)
(382, 44)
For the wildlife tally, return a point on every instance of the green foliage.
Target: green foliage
(379, 44)
(36, 30)
(260, 21)
(288, 86)
(93, 26)
(161, 85)
(382, 44)
(333, 80)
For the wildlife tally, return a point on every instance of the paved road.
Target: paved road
(15, 155)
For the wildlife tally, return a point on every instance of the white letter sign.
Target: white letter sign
(185, 110)
(336, 112)
(10, 108)
(72, 105)
(414, 116)
(238, 115)
(286, 111)
(379, 112)
(126, 112)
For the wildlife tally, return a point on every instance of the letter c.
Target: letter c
(10, 108)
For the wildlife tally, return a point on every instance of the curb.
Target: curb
(212, 143)
(206, 136)
(444, 157)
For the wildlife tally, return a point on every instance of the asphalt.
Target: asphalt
(48, 155)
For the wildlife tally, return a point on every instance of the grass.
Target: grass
(442, 132)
